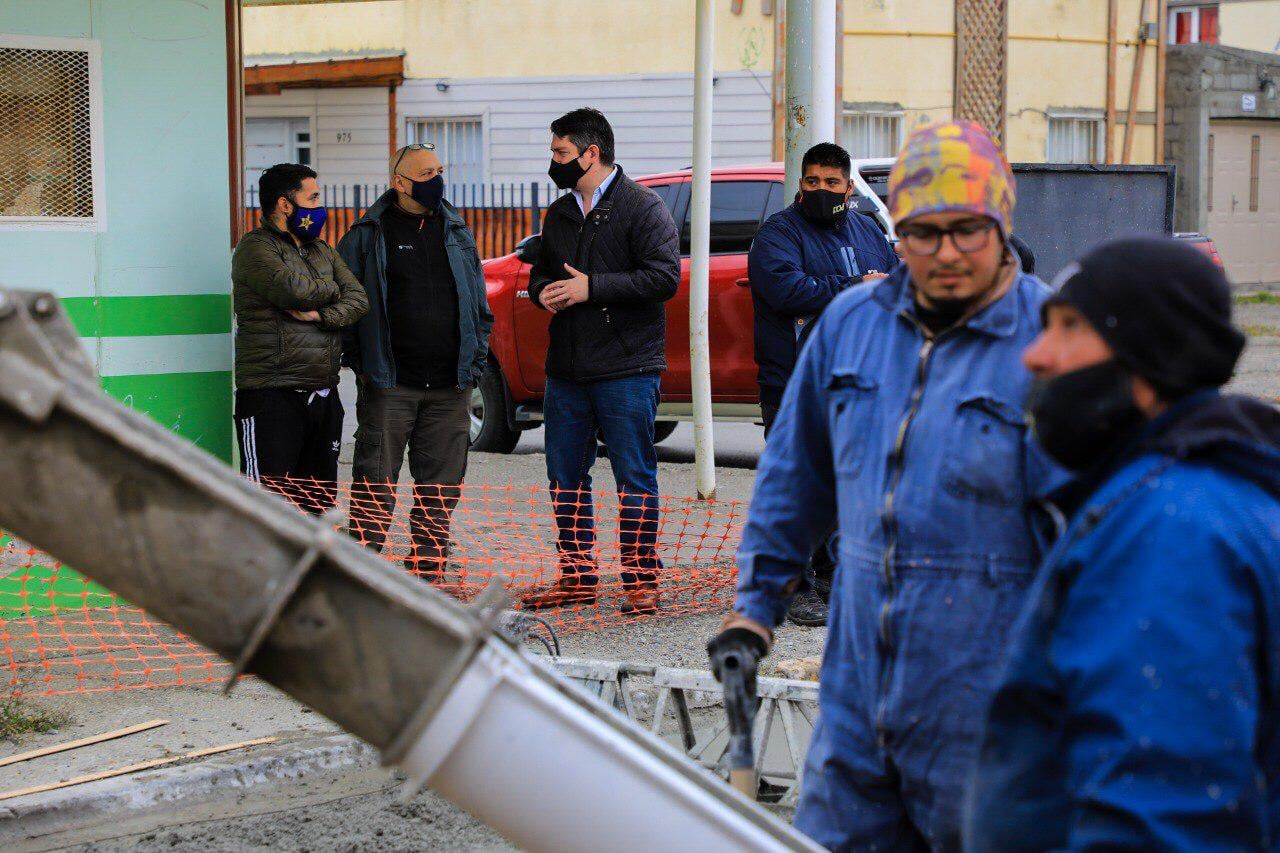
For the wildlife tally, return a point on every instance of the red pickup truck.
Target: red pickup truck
(509, 398)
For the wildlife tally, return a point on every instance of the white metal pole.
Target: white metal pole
(704, 454)
(799, 83)
(823, 123)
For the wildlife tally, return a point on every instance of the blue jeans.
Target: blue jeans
(623, 410)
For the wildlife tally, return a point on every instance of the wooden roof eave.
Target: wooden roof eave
(325, 74)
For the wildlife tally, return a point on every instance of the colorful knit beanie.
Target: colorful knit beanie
(952, 166)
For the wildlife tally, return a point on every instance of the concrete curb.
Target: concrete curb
(35, 815)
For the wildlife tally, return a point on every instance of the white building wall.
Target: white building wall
(652, 117)
(349, 129)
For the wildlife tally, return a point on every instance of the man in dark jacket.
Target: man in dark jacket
(417, 355)
(1140, 704)
(610, 258)
(292, 297)
(804, 256)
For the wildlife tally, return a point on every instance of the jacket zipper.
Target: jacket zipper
(887, 519)
(384, 326)
(573, 338)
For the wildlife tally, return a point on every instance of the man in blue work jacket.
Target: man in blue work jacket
(1140, 708)
(904, 421)
(802, 258)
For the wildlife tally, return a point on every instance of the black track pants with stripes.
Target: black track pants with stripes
(289, 442)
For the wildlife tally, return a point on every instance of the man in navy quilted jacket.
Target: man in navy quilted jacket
(802, 258)
(610, 257)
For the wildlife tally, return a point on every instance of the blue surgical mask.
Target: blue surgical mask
(306, 223)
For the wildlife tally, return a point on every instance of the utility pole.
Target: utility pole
(704, 453)
(799, 83)
(825, 32)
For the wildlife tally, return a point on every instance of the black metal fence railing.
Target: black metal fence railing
(500, 215)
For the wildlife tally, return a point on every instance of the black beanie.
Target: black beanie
(1163, 307)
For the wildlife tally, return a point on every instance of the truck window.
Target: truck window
(668, 193)
(878, 179)
(674, 195)
(775, 203)
(736, 210)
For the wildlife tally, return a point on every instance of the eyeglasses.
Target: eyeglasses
(417, 146)
(968, 237)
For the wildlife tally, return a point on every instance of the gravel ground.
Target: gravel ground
(1259, 370)
(359, 812)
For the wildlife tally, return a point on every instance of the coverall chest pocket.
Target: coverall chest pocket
(985, 457)
(851, 400)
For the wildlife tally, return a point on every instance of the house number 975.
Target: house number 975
(344, 136)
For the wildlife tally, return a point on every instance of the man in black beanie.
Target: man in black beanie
(1141, 699)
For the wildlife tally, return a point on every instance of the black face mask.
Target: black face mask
(942, 314)
(1080, 416)
(427, 193)
(823, 207)
(566, 175)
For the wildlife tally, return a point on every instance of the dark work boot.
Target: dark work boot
(807, 609)
(822, 567)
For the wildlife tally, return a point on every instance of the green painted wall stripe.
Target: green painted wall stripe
(131, 316)
(196, 406)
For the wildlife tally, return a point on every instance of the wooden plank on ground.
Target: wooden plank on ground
(132, 768)
(84, 741)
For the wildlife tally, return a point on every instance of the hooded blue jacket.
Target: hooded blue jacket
(918, 446)
(796, 268)
(1140, 708)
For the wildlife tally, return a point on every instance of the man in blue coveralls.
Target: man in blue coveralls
(1140, 706)
(803, 257)
(904, 422)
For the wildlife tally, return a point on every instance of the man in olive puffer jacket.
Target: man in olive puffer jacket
(293, 296)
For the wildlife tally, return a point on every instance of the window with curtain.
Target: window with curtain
(1193, 24)
(1074, 139)
(871, 133)
(459, 142)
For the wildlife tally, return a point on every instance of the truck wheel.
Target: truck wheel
(489, 430)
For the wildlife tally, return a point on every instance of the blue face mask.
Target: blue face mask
(306, 223)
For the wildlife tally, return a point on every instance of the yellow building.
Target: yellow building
(898, 70)
(898, 73)
(486, 77)
(1250, 24)
(1085, 82)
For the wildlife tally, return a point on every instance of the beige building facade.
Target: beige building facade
(1250, 24)
(898, 58)
(1085, 83)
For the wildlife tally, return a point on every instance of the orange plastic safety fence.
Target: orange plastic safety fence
(585, 560)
